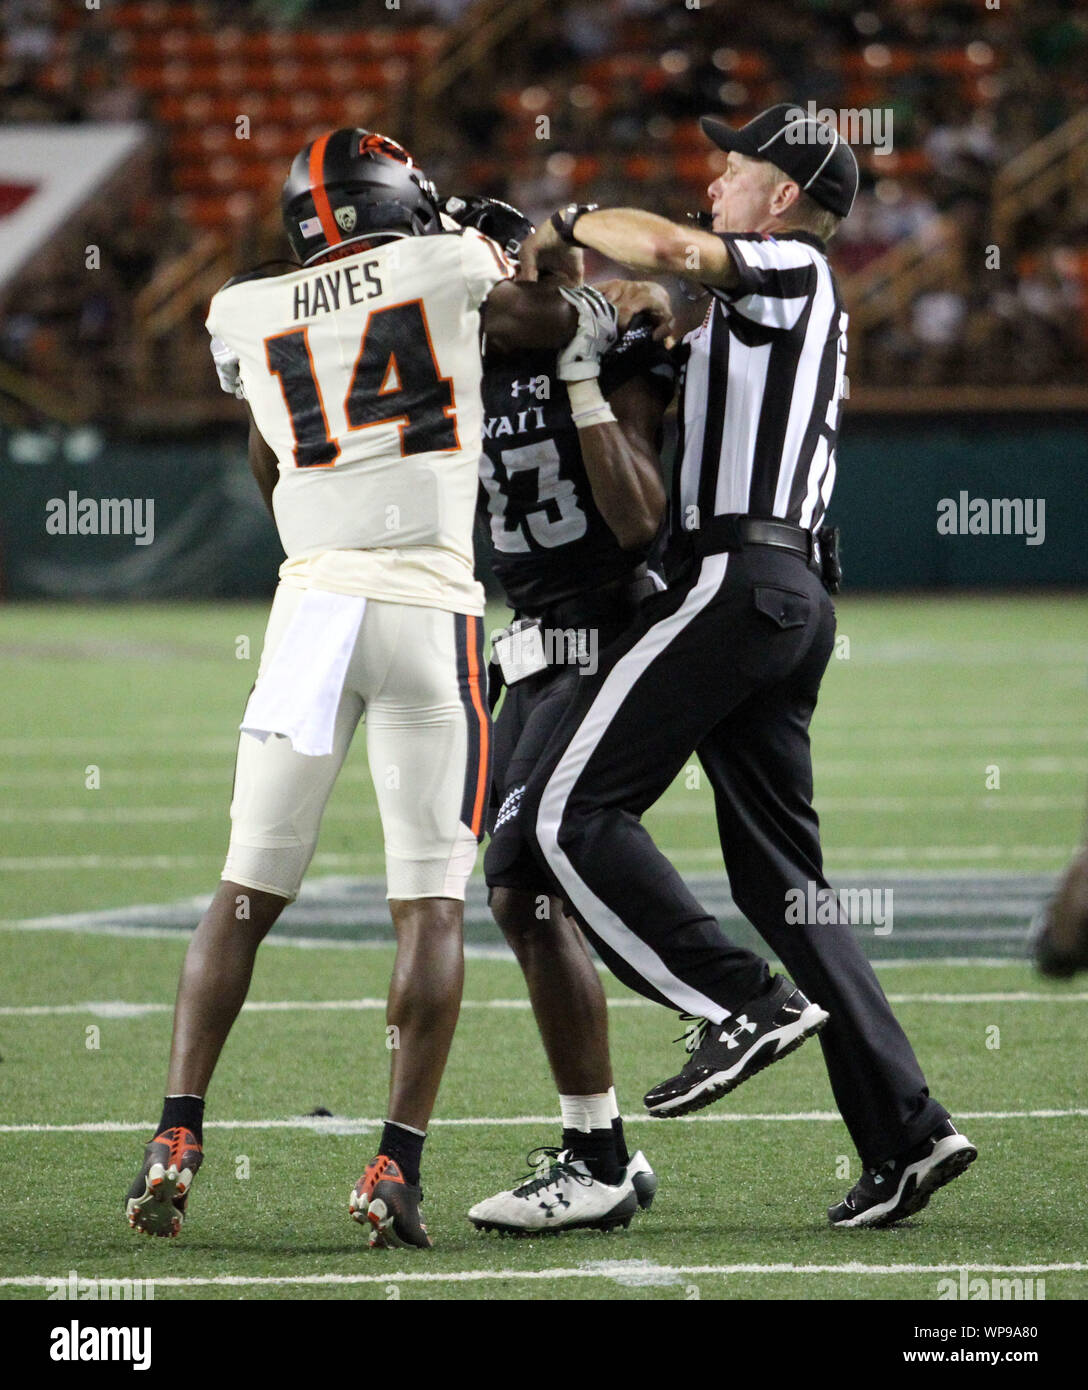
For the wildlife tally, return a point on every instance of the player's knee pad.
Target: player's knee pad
(437, 877)
(275, 865)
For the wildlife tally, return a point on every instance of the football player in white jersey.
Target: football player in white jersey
(362, 370)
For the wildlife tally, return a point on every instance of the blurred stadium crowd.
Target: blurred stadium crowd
(588, 98)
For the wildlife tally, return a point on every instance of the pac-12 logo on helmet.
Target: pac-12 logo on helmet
(350, 184)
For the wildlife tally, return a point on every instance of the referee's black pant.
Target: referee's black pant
(727, 663)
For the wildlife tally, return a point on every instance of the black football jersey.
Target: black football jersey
(549, 540)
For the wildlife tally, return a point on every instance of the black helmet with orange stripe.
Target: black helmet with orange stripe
(348, 185)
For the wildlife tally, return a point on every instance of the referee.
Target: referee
(728, 662)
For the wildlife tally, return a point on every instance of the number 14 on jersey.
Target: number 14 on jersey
(395, 380)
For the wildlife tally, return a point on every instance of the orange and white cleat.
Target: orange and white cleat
(382, 1200)
(156, 1201)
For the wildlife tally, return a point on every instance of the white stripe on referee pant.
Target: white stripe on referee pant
(607, 925)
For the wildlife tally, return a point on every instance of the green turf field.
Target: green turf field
(932, 700)
(932, 694)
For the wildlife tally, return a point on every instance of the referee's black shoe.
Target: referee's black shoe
(903, 1186)
(723, 1055)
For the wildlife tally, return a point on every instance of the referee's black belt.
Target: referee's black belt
(733, 532)
(613, 602)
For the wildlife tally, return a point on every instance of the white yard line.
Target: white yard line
(954, 736)
(618, 1271)
(69, 863)
(675, 803)
(302, 943)
(151, 771)
(115, 743)
(843, 855)
(339, 1125)
(1021, 996)
(882, 652)
(974, 764)
(102, 815)
(700, 803)
(218, 774)
(157, 748)
(120, 1008)
(87, 924)
(220, 740)
(956, 962)
(166, 815)
(846, 861)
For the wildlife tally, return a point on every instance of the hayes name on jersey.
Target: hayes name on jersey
(353, 282)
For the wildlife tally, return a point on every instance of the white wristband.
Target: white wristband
(587, 406)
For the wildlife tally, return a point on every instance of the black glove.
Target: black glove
(498, 220)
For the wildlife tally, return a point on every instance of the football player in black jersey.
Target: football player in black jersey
(572, 495)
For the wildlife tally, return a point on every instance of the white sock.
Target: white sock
(586, 1112)
(613, 1104)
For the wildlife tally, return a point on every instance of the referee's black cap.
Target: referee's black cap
(810, 151)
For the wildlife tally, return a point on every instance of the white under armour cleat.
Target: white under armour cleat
(559, 1195)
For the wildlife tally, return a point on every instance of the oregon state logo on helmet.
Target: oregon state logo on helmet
(373, 143)
(350, 184)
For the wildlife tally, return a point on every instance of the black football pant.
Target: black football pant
(727, 663)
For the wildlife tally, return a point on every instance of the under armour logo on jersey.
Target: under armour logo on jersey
(346, 218)
(744, 1025)
(538, 386)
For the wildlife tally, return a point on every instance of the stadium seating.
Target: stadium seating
(231, 97)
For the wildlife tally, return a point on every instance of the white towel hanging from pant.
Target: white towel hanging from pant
(298, 692)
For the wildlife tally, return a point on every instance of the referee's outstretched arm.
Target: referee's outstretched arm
(644, 241)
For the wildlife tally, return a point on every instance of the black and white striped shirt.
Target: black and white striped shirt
(762, 381)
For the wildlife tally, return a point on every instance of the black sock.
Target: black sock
(186, 1112)
(405, 1148)
(597, 1150)
(622, 1154)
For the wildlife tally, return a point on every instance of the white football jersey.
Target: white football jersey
(363, 376)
